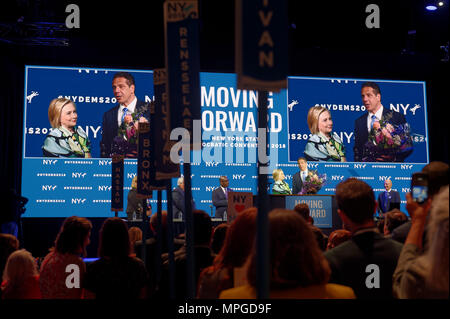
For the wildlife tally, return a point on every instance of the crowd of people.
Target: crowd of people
(362, 260)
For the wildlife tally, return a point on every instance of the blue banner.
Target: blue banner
(117, 183)
(144, 163)
(182, 62)
(320, 208)
(261, 44)
(160, 130)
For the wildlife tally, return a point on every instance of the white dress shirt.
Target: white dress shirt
(225, 191)
(378, 114)
(131, 107)
(301, 175)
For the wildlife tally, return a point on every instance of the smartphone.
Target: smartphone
(419, 187)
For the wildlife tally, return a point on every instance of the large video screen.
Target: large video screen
(61, 186)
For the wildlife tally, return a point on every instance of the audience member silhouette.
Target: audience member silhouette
(8, 244)
(21, 277)
(116, 275)
(218, 238)
(354, 262)
(425, 274)
(303, 210)
(70, 243)
(338, 237)
(202, 257)
(297, 267)
(151, 248)
(237, 246)
(438, 175)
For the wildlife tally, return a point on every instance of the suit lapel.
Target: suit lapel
(114, 120)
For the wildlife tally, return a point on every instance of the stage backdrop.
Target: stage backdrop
(60, 187)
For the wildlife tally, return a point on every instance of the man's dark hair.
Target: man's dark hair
(301, 158)
(437, 176)
(356, 200)
(372, 85)
(202, 227)
(114, 239)
(127, 76)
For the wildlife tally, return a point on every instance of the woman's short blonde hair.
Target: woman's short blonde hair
(54, 111)
(276, 174)
(134, 182)
(313, 118)
(135, 234)
(20, 266)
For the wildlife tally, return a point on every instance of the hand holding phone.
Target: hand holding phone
(419, 187)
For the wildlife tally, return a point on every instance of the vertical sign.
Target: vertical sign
(160, 130)
(117, 183)
(143, 165)
(261, 44)
(183, 63)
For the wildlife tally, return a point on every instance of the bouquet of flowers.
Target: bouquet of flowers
(387, 141)
(125, 142)
(313, 183)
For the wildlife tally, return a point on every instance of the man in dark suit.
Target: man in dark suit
(371, 98)
(299, 177)
(367, 261)
(220, 198)
(388, 199)
(124, 90)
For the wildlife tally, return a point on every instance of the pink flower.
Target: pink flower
(131, 132)
(386, 133)
(390, 128)
(390, 141)
(378, 138)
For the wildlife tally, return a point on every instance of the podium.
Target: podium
(323, 208)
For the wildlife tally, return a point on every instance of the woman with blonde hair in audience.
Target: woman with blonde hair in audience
(21, 278)
(297, 267)
(70, 244)
(135, 235)
(237, 246)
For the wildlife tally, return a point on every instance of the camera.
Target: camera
(419, 187)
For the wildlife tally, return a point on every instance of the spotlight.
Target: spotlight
(440, 3)
(431, 7)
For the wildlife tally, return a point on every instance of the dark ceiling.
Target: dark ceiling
(325, 37)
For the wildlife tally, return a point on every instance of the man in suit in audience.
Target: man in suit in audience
(123, 86)
(299, 177)
(388, 199)
(367, 261)
(220, 198)
(376, 112)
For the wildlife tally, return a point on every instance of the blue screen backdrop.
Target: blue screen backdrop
(61, 187)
